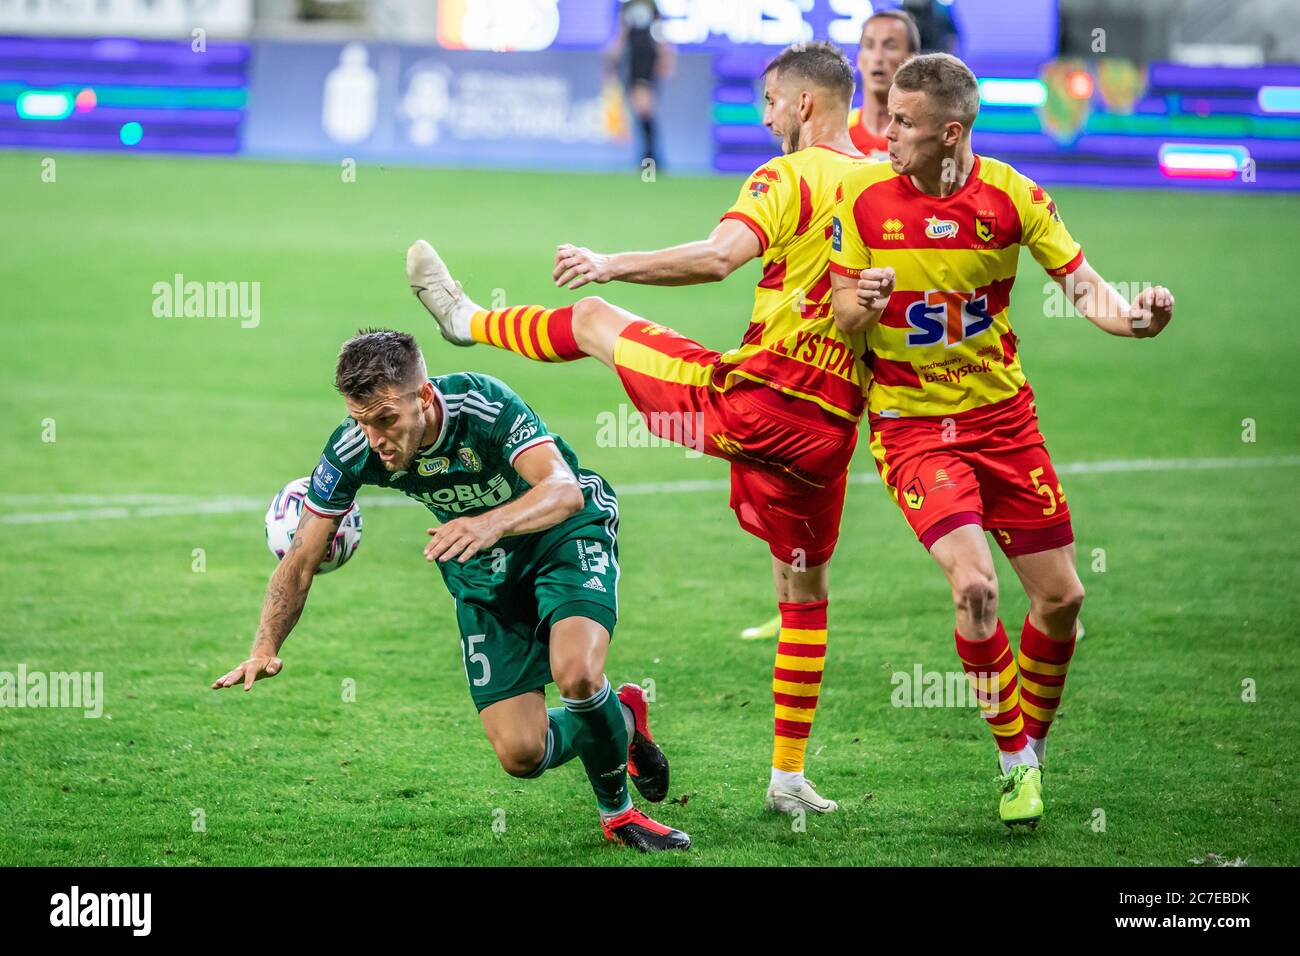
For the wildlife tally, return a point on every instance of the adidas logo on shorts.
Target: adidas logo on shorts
(595, 584)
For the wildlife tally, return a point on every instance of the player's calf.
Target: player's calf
(520, 754)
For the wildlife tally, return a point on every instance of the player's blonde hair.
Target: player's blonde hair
(947, 81)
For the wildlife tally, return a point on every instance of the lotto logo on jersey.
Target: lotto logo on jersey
(936, 228)
(948, 317)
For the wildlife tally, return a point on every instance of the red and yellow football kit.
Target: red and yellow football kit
(953, 425)
(784, 405)
(870, 145)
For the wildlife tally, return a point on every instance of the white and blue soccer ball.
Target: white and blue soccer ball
(282, 521)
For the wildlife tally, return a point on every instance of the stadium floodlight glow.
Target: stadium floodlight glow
(86, 100)
(44, 105)
(1279, 99)
(131, 133)
(1008, 92)
(1196, 161)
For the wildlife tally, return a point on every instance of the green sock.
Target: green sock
(562, 732)
(602, 745)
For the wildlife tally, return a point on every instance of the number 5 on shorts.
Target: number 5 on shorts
(1046, 491)
(476, 657)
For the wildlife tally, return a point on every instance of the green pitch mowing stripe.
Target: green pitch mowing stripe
(1177, 734)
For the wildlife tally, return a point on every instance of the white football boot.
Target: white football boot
(783, 799)
(438, 292)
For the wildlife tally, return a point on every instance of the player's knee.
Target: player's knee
(976, 593)
(1062, 602)
(578, 679)
(587, 310)
(520, 756)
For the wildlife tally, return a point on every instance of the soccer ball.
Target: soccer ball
(282, 521)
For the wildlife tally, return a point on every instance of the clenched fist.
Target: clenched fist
(1152, 310)
(875, 287)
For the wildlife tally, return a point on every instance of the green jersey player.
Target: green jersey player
(528, 548)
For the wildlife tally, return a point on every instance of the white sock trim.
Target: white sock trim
(786, 779)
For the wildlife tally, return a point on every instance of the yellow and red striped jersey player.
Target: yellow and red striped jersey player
(924, 256)
(782, 407)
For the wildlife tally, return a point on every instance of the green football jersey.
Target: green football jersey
(467, 470)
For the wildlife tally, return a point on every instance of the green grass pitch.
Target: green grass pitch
(1198, 595)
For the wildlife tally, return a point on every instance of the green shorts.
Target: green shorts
(509, 597)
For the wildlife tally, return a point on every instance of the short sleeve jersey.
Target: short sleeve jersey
(467, 470)
(792, 343)
(944, 343)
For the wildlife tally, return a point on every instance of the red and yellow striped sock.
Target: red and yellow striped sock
(1043, 663)
(797, 680)
(991, 668)
(544, 335)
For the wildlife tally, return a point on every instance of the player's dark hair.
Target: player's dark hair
(376, 359)
(903, 17)
(946, 80)
(820, 63)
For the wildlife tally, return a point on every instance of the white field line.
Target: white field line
(87, 507)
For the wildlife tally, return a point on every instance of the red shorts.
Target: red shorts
(988, 466)
(789, 458)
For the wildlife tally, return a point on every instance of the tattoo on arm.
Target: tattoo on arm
(286, 592)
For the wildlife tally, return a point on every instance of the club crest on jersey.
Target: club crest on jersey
(758, 189)
(914, 494)
(948, 317)
(986, 228)
(432, 466)
(469, 458)
(936, 228)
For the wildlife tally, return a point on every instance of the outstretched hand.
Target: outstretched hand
(576, 266)
(253, 669)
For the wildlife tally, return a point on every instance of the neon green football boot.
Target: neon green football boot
(764, 631)
(1022, 796)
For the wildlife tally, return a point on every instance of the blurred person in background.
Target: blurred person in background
(934, 19)
(646, 60)
(888, 38)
